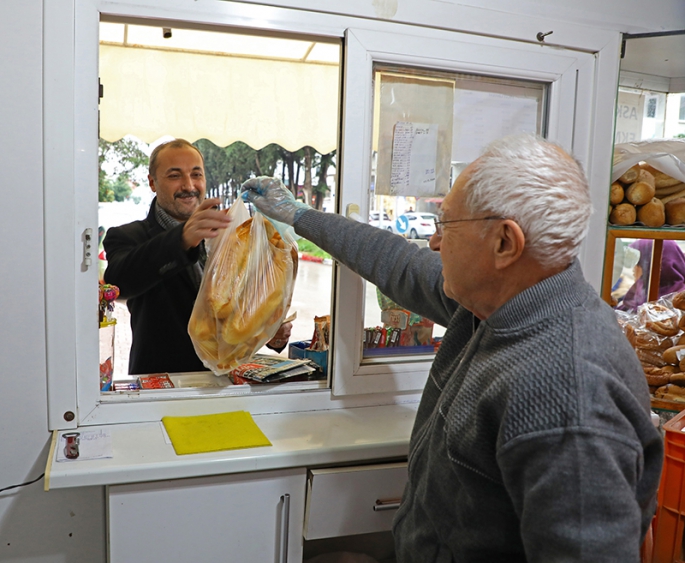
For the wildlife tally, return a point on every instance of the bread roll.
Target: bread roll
(661, 179)
(675, 378)
(675, 195)
(616, 196)
(673, 354)
(652, 214)
(666, 370)
(670, 397)
(670, 190)
(678, 302)
(657, 380)
(642, 190)
(623, 214)
(650, 358)
(675, 211)
(630, 175)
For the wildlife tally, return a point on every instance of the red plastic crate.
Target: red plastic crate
(670, 513)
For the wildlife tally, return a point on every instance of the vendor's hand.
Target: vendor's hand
(205, 222)
(273, 199)
(280, 339)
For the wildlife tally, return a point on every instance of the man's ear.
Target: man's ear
(151, 183)
(510, 242)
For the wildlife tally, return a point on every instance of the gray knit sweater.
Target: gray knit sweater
(533, 440)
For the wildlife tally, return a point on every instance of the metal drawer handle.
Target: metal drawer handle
(285, 523)
(387, 504)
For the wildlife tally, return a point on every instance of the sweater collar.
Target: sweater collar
(545, 299)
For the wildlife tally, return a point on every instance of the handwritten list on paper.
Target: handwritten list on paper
(414, 159)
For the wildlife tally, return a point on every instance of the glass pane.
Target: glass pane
(427, 127)
(633, 270)
(305, 162)
(640, 114)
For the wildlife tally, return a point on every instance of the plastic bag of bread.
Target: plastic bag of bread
(648, 183)
(659, 317)
(660, 157)
(245, 291)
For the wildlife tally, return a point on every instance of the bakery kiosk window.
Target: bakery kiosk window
(269, 129)
(644, 270)
(342, 135)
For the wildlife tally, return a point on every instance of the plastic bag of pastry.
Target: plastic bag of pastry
(645, 339)
(678, 300)
(245, 292)
(659, 318)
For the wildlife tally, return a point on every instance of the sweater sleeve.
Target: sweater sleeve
(409, 275)
(575, 493)
(136, 263)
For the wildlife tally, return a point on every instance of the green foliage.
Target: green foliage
(304, 245)
(227, 168)
(680, 136)
(127, 158)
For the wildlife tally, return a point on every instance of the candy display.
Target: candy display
(108, 293)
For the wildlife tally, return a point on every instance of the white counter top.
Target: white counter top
(302, 439)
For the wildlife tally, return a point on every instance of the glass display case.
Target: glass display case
(644, 260)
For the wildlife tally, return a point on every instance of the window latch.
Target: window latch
(87, 248)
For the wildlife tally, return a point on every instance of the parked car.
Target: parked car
(383, 222)
(416, 225)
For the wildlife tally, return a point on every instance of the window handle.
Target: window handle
(87, 248)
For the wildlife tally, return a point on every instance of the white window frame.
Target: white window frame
(570, 79)
(70, 167)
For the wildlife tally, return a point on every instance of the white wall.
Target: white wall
(35, 526)
(630, 16)
(69, 526)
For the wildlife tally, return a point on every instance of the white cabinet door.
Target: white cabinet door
(254, 517)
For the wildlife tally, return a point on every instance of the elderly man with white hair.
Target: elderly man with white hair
(533, 439)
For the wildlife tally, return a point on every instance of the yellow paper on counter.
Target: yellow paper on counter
(214, 432)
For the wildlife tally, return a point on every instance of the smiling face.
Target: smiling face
(179, 181)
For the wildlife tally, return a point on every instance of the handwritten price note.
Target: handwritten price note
(414, 159)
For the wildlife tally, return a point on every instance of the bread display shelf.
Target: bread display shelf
(657, 235)
(666, 405)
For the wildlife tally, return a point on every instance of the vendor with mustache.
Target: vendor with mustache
(158, 262)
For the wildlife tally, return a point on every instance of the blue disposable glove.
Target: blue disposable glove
(273, 199)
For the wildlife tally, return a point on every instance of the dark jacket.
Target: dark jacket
(156, 277)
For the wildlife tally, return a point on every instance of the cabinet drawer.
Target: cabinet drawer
(345, 501)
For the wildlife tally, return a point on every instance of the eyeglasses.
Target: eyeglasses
(438, 224)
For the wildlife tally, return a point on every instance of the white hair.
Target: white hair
(538, 185)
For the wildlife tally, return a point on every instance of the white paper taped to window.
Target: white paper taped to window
(414, 159)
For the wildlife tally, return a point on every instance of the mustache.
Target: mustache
(184, 195)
